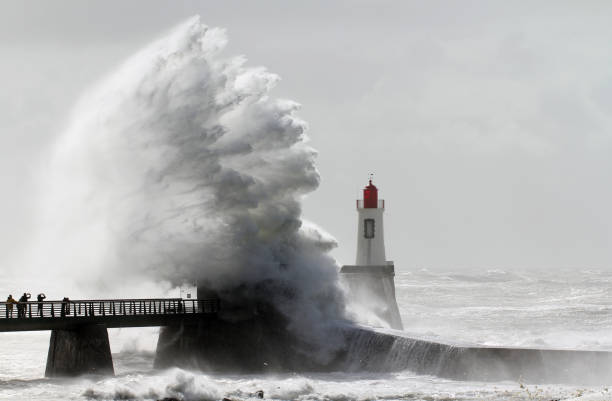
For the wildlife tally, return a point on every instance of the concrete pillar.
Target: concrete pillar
(240, 340)
(81, 350)
(219, 346)
(373, 289)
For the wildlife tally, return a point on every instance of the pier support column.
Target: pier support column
(246, 340)
(81, 350)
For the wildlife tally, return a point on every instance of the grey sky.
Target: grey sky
(487, 124)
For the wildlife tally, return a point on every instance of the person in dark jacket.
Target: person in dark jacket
(40, 297)
(22, 305)
(65, 306)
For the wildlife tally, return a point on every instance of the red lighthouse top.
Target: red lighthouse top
(370, 196)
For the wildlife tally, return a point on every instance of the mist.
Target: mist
(181, 168)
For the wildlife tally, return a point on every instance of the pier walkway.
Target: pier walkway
(62, 315)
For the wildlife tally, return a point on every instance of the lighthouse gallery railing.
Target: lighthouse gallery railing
(381, 204)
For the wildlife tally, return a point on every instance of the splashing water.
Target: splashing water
(179, 167)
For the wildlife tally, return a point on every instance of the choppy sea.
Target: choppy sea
(569, 309)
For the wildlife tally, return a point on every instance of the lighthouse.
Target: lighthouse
(370, 233)
(370, 281)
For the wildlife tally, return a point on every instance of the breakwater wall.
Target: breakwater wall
(371, 350)
(262, 345)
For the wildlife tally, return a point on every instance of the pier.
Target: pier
(79, 337)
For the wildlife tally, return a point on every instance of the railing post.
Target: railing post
(29, 310)
(52, 311)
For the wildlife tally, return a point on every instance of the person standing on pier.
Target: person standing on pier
(10, 301)
(40, 297)
(22, 305)
(65, 306)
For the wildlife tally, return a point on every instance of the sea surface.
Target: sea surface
(548, 309)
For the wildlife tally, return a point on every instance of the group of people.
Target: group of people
(22, 304)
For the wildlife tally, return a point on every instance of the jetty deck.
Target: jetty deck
(112, 313)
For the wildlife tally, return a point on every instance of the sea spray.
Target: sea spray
(179, 167)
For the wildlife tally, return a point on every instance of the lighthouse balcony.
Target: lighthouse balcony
(380, 204)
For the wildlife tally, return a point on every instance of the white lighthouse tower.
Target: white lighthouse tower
(370, 233)
(371, 280)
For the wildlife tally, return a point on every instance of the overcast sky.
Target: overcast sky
(487, 124)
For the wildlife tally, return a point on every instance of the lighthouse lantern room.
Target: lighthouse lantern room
(370, 233)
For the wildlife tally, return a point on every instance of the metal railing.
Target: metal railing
(106, 307)
(380, 205)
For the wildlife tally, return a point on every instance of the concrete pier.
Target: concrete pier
(383, 351)
(80, 350)
(261, 344)
(246, 340)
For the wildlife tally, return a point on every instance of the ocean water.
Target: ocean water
(548, 309)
